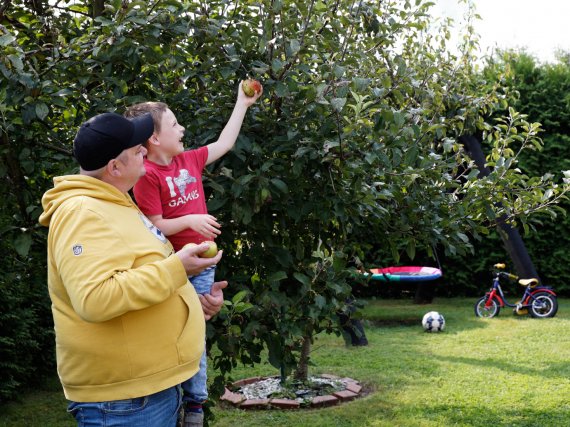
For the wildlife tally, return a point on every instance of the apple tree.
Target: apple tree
(355, 146)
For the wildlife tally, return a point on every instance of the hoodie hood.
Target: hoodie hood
(72, 186)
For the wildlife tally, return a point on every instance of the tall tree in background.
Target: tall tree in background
(539, 90)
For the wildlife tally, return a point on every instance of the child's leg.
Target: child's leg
(203, 282)
(195, 390)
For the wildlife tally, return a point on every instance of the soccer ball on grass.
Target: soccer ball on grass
(433, 322)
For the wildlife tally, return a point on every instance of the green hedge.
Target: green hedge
(26, 329)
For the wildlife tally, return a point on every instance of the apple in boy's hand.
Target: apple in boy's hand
(250, 86)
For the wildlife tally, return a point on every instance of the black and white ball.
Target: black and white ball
(433, 322)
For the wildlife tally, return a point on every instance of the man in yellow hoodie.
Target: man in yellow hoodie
(128, 327)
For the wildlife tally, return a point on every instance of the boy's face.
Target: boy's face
(170, 135)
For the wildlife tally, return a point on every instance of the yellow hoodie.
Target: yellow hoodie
(127, 324)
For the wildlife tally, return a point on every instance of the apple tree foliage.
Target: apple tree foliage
(352, 151)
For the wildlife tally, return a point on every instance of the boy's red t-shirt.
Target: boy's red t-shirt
(175, 190)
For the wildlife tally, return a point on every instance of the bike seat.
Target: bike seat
(528, 282)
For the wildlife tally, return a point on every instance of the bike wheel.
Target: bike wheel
(481, 310)
(543, 305)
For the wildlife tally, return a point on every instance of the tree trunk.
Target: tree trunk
(511, 238)
(302, 372)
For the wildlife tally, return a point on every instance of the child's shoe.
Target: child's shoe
(193, 416)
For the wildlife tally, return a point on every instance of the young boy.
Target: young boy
(171, 195)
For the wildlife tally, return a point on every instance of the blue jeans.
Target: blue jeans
(196, 389)
(156, 410)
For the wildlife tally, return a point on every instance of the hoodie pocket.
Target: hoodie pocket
(191, 341)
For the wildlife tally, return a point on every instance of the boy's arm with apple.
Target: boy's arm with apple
(230, 132)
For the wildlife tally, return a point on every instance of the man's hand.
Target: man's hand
(212, 302)
(192, 263)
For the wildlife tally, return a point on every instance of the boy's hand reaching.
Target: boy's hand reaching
(204, 224)
(245, 100)
(231, 131)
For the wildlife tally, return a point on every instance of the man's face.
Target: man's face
(131, 163)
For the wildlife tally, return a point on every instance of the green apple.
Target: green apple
(211, 252)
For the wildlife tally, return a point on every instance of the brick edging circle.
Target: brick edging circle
(351, 391)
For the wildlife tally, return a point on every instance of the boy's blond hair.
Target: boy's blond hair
(156, 110)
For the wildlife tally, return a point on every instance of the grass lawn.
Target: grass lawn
(507, 371)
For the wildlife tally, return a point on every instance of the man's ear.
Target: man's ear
(112, 168)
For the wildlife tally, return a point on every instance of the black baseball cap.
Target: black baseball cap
(106, 135)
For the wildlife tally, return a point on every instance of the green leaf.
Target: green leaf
(240, 296)
(235, 330)
(243, 307)
(79, 8)
(548, 194)
(360, 84)
(294, 47)
(276, 65)
(275, 351)
(320, 301)
(399, 119)
(463, 237)
(281, 89)
(304, 279)
(339, 71)
(411, 249)
(473, 174)
(338, 103)
(22, 244)
(277, 276)
(7, 39)
(16, 62)
(245, 179)
(42, 110)
(216, 203)
(227, 72)
(280, 185)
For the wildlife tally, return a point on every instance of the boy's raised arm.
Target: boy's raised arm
(230, 132)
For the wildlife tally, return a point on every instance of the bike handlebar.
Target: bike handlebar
(507, 275)
(501, 266)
